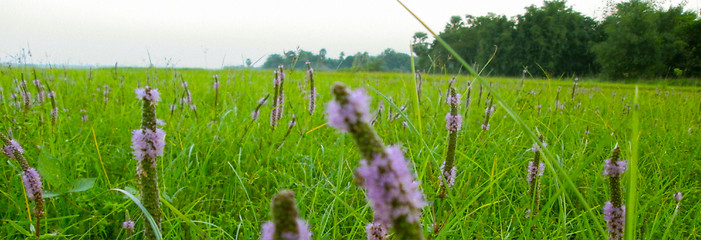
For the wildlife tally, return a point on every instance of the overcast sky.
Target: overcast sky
(211, 33)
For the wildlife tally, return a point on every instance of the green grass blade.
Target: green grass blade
(415, 97)
(183, 217)
(408, 121)
(632, 196)
(215, 226)
(152, 222)
(671, 222)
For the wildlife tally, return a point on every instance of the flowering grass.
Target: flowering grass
(221, 180)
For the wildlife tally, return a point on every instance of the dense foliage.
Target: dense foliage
(388, 61)
(636, 39)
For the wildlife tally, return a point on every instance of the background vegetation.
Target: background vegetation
(637, 39)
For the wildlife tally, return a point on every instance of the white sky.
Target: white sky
(210, 33)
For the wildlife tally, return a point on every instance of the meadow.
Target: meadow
(220, 167)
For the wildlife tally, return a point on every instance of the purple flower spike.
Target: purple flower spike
(355, 110)
(535, 147)
(375, 231)
(254, 114)
(616, 220)
(267, 231)
(489, 110)
(285, 224)
(276, 80)
(54, 113)
(153, 95)
(455, 100)
(32, 183)
(449, 175)
(147, 143)
(303, 229)
(535, 171)
(391, 188)
(128, 225)
(12, 149)
(614, 169)
(453, 122)
(485, 126)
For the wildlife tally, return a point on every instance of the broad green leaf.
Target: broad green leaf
(82, 184)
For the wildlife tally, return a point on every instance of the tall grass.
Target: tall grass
(216, 181)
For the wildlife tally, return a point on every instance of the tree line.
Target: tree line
(637, 39)
(387, 61)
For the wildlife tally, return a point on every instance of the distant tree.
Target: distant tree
(420, 48)
(556, 38)
(394, 62)
(692, 34)
(347, 62)
(679, 46)
(631, 48)
(273, 61)
(361, 61)
(420, 37)
(455, 23)
(476, 40)
(290, 58)
(494, 40)
(322, 53)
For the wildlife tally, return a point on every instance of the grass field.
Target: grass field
(220, 168)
